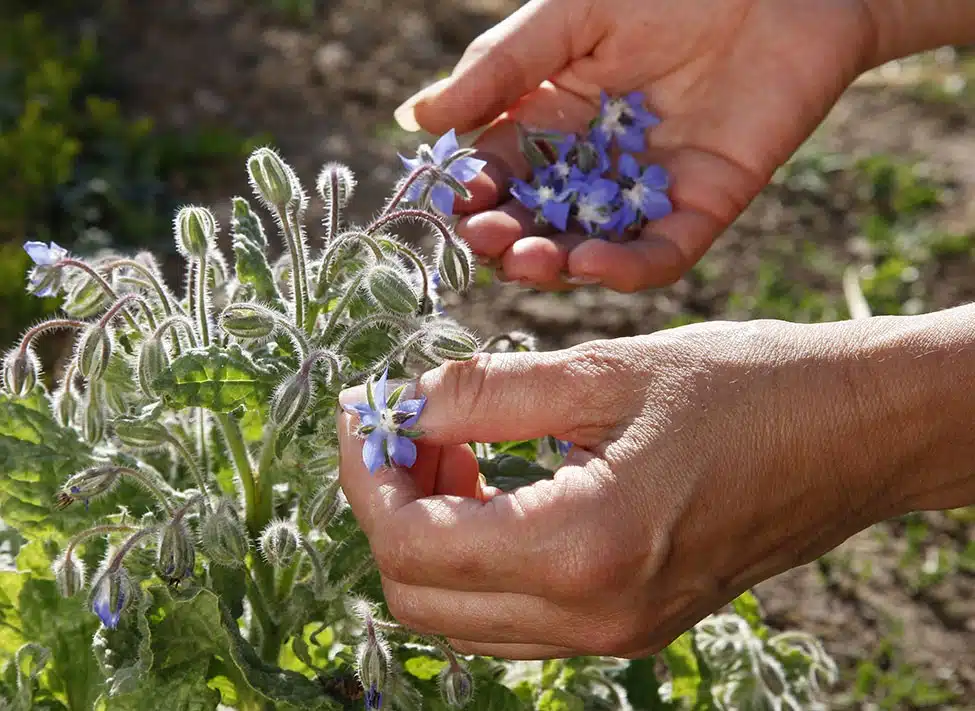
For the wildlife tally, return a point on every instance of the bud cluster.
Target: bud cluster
(575, 181)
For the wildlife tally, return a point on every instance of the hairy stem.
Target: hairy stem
(333, 318)
(100, 280)
(403, 189)
(91, 533)
(152, 278)
(51, 325)
(242, 463)
(202, 313)
(299, 274)
(192, 464)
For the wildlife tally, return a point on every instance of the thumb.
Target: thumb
(497, 397)
(499, 67)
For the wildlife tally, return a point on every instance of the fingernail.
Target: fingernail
(405, 114)
(580, 280)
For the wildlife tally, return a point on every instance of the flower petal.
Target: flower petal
(39, 252)
(524, 193)
(401, 450)
(411, 164)
(372, 451)
(632, 140)
(366, 414)
(379, 391)
(466, 169)
(442, 198)
(656, 205)
(628, 166)
(655, 177)
(557, 214)
(412, 406)
(445, 146)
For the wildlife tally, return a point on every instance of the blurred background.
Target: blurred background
(112, 114)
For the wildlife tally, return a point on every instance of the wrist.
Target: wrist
(912, 379)
(900, 28)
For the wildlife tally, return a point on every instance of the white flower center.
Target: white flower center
(589, 212)
(635, 195)
(612, 120)
(546, 193)
(386, 421)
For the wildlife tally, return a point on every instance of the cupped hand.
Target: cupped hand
(705, 460)
(739, 84)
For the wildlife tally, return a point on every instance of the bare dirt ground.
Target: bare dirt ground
(326, 90)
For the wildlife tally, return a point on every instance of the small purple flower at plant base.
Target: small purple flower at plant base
(624, 119)
(44, 279)
(385, 422)
(642, 192)
(595, 207)
(453, 165)
(552, 203)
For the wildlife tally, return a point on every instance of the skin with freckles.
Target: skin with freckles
(707, 459)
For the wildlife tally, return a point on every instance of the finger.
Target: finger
(525, 652)
(497, 397)
(491, 233)
(497, 69)
(457, 473)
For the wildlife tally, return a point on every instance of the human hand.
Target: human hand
(707, 458)
(739, 85)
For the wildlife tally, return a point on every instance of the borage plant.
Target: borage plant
(172, 501)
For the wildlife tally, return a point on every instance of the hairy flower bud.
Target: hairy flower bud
(94, 351)
(271, 178)
(291, 400)
(247, 321)
(279, 542)
(152, 362)
(223, 536)
(86, 300)
(324, 505)
(88, 484)
(140, 434)
(111, 594)
(64, 405)
(456, 685)
(20, 369)
(450, 343)
(69, 574)
(93, 425)
(175, 554)
(335, 184)
(391, 290)
(455, 265)
(196, 231)
(373, 662)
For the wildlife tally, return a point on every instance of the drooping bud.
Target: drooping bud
(94, 351)
(152, 362)
(373, 663)
(335, 184)
(69, 574)
(86, 300)
(450, 343)
(111, 594)
(93, 425)
(456, 685)
(141, 434)
(391, 290)
(279, 542)
(175, 553)
(64, 405)
(196, 230)
(223, 536)
(20, 368)
(272, 179)
(291, 400)
(247, 321)
(455, 265)
(324, 505)
(88, 484)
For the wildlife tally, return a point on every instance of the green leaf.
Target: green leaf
(559, 700)
(246, 223)
(508, 472)
(747, 606)
(642, 685)
(250, 254)
(491, 696)
(218, 379)
(684, 671)
(424, 667)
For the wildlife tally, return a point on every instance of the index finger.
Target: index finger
(514, 542)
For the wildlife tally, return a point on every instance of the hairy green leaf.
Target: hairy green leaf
(507, 471)
(218, 379)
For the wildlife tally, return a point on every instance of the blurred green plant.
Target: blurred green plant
(73, 167)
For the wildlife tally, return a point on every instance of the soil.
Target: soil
(325, 90)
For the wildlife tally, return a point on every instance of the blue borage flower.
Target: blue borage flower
(580, 184)
(110, 596)
(45, 280)
(386, 422)
(452, 164)
(374, 698)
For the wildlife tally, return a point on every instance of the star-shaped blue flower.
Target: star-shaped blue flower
(624, 119)
(642, 192)
(451, 161)
(385, 421)
(109, 597)
(595, 208)
(545, 196)
(44, 279)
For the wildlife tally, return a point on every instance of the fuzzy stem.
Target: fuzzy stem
(153, 279)
(413, 214)
(100, 280)
(336, 313)
(348, 239)
(171, 323)
(51, 325)
(126, 546)
(404, 188)
(332, 226)
(192, 464)
(241, 459)
(142, 480)
(203, 317)
(299, 275)
(367, 323)
(91, 533)
(120, 303)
